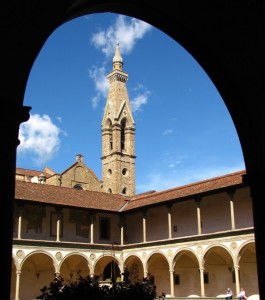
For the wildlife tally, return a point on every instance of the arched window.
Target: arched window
(123, 125)
(110, 191)
(111, 272)
(109, 126)
(78, 186)
(110, 143)
(124, 191)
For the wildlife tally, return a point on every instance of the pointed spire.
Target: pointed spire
(117, 59)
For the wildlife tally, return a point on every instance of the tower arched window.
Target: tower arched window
(124, 191)
(123, 125)
(110, 143)
(109, 127)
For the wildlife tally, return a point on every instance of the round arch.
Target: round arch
(135, 268)
(38, 267)
(186, 267)
(74, 265)
(158, 272)
(218, 275)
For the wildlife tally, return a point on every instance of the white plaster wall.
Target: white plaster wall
(134, 224)
(184, 218)
(215, 213)
(157, 224)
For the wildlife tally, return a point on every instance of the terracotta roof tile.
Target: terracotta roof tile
(50, 194)
(31, 173)
(186, 190)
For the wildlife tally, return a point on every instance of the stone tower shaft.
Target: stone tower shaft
(118, 131)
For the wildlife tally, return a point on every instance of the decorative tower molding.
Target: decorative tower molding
(118, 130)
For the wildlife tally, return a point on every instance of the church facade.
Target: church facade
(190, 241)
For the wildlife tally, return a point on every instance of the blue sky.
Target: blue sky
(184, 132)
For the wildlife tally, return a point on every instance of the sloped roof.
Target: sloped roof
(188, 190)
(49, 194)
(77, 163)
(32, 173)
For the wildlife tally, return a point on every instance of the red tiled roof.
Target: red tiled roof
(32, 173)
(50, 194)
(186, 190)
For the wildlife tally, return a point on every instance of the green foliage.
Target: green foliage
(86, 288)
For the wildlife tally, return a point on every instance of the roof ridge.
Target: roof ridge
(141, 196)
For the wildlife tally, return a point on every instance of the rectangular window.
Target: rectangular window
(206, 277)
(53, 223)
(233, 276)
(104, 228)
(152, 280)
(176, 279)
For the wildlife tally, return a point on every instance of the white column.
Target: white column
(144, 227)
(199, 223)
(19, 223)
(202, 282)
(232, 213)
(92, 229)
(169, 222)
(145, 267)
(17, 285)
(237, 280)
(171, 274)
(122, 231)
(58, 228)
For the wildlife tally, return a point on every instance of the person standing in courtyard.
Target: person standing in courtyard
(242, 295)
(229, 294)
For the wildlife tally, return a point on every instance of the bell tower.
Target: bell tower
(118, 130)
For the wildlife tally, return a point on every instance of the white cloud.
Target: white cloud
(39, 137)
(138, 102)
(98, 75)
(125, 30)
(167, 131)
(160, 181)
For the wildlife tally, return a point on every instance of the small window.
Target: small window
(206, 277)
(110, 190)
(233, 276)
(124, 191)
(176, 279)
(110, 143)
(109, 172)
(78, 186)
(124, 171)
(123, 125)
(104, 228)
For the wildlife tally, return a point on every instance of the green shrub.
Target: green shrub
(86, 288)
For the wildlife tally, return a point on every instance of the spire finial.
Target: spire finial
(117, 57)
